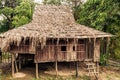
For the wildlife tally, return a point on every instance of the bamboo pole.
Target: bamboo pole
(13, 65)
(37, 70)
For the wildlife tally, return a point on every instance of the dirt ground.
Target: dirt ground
(66, 72)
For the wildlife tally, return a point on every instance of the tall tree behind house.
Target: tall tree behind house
(12, 10)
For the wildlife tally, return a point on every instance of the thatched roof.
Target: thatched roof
(50, 21)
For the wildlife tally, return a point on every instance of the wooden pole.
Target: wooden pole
(86, 49)
(76, 63)
(97, 67)
(56, 68)
(37, 70)
(19, 61)
(76, 68)
(13, 65)
(107, 48)
(56, 63)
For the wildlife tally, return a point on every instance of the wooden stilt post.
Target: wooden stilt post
(37, 70)
(107, 48)
(13, 65)
(56, 68)
(76, 63)
(19, 61)
(56, 63)
(76, 68)
(97, 67)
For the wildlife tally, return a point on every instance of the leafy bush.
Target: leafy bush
(117, 53)
(103, 59)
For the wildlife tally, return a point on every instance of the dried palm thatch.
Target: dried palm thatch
(49, 21)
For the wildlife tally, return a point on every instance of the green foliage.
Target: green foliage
(117, 53)
(55, 2)
(20, 20)
(17, 12)
(23, 13)
(103, 59)
(3, 26)
(102, 15)
(5, 55)
(7, 11)
(97, 13)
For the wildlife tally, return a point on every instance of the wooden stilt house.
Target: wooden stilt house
(53, 36)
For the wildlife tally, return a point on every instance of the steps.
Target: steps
(91, 68)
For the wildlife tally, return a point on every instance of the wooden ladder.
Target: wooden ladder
(91, 68)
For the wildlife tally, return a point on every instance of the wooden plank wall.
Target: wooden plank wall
(85, 50)
(21, 49)
(47, 54)
(81, 52)
(97, 51)
(90, 48)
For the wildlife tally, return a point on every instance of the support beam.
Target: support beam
(13, 72)
(86, 48)
(97, 65)
(76, 63)
(56, 63)
(36, 70)
(56, 68)
(16, 67)
(19, 58)
(107, 48)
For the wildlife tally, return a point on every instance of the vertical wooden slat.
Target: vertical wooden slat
(90, 47)
(13, 65)
(19, 61)
(75, 44)
(107, 47)
(86, 48)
